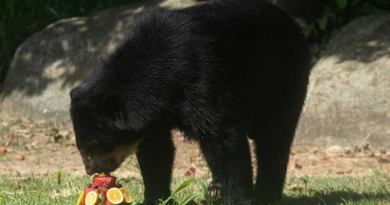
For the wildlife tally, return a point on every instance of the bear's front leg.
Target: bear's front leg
(229, 160)
(155, 156)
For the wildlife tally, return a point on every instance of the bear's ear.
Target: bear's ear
(75, 92)
(80, 92)
(104, 60)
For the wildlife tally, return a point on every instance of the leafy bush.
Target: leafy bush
(337, 13)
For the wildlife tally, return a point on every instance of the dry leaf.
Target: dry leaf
(7, 149)
(9, 137)
(298, 164)
(191, 171)
(66, 134)
(348, 151)
(384, 160)
(17, 174)
(18, 188)
(327, 157)
(3, 149)
(28, 125)
(297, 188)
(27, 135)
(23, 131)
(314, 150)
(7, 169)
(360, 155)
(54, 131)
(30, 147)
(348, 171)
(291, 166)
(57, 138)
(371, 154)
(19, 156)
(292, 151)
(334, 149)
(312, 157)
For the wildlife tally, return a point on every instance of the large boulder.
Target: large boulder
(50, 63)
(348, 102)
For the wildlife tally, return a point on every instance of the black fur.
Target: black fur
(219, 72)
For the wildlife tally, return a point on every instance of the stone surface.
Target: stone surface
(349, 94)
(50, 63)
(348, 99)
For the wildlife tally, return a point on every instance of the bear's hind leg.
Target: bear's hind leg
(215, 166)
(272, 153)
(230, 163)
(273, 143)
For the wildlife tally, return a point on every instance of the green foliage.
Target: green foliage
(59, 179)
(206, 195)
(337, 13)
(192, 196)
(19, 19)
(101, 197)
(342, 3)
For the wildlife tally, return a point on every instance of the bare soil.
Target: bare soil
(42, 147)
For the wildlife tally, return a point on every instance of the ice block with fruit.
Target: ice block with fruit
(104, 191)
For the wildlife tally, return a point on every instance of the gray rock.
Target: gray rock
(348, 99)
(349, 93)
(50, 63)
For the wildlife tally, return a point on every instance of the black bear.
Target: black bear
(220, 72)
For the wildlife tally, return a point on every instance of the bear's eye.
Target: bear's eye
(90, 147)
(99, 151)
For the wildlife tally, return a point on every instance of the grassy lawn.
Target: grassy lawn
(33, 189)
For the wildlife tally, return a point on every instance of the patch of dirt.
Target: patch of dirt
(41, 148)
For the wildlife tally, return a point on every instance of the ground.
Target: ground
(33, 153)
(46, 147)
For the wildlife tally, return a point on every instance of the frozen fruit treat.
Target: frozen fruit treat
(104, 191)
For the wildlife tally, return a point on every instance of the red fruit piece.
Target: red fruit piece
(99, 184)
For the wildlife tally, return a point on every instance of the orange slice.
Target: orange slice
(81, 198)
(102, 175)
(91, 198)
(126, 195)
(115, 196)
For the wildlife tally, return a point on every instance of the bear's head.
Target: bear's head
(100, 123)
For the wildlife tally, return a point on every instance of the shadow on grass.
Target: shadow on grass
(335, 197)
(330, 198)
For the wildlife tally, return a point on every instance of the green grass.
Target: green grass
(33, 189)
(373, 190)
